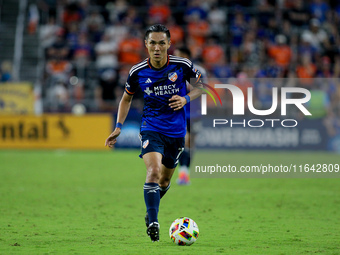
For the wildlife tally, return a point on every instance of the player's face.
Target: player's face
(157, 44)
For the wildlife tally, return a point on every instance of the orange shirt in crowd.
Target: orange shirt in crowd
(199, 31)
(212, 54)
(160, 13)
(55, 67)
(69, 17)
(281, 54)
(177, 33)
(306, 73)
(130, 50)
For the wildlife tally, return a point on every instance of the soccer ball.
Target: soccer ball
(184, 231)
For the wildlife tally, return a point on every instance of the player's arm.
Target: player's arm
(177, 102)
(123, 110)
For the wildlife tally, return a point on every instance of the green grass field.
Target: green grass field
(63, 202)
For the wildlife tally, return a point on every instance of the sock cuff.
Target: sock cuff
(151, 185)
(166, 188)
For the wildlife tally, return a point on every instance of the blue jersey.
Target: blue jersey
(193, 109)
(159, 85)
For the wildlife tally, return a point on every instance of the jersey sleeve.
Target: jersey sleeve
(194, 76)
(131, 84)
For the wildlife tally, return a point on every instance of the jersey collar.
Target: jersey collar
(167, 63)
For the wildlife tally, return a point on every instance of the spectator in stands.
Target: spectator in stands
(271, 70)
(6, 71)
(130, 49)
(58, 69)
(195, 49)
(286, 30)
(213, 54)
(195, 9)
(280, 51)
(59, 48)
(133, 19)
(251, 50)
(176, 31)
(48, 8)
(82, 52)
(71, 13)
(33, 19)
(198, 29)
(159, 11)
(319, 9)
(217, 18)
(325, 68)
(106, 54)
(271, 30)
(59, 97)
(330, 26)
(82, 55)
(48, 33)
(316, 36)
(265, 12)
(337, 11)
(306, 71)
(72, 34)
(107, 90)
(305, 47)
(237, 30)
(298, 16)
(94, 24)
(117, 10)
(117, 31)
(251, 30)
(223, 70)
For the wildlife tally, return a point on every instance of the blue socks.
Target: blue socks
(164, 190)
(152, 199)
(185, 158)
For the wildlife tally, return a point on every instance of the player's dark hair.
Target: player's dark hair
(185, 50)
(157, 28)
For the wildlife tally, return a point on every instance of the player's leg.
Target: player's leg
(172, 155)
(165, 179)
(153, 165)
(152, 161)
(164, 185)
(183, 173)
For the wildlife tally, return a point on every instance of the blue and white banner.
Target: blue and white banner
(307, 135)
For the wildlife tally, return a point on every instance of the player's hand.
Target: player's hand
(112, 139)
(177, 102)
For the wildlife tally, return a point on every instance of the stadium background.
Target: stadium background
(64, 64)
(76, 54)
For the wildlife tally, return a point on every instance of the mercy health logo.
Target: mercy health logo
(161, 90)
(239, 105)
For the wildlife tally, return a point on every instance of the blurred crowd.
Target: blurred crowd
(89, 46)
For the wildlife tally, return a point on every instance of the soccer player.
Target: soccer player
(163, 79)
(194, 116)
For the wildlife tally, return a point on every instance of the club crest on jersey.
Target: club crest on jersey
(173, 76)
(145, 144)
